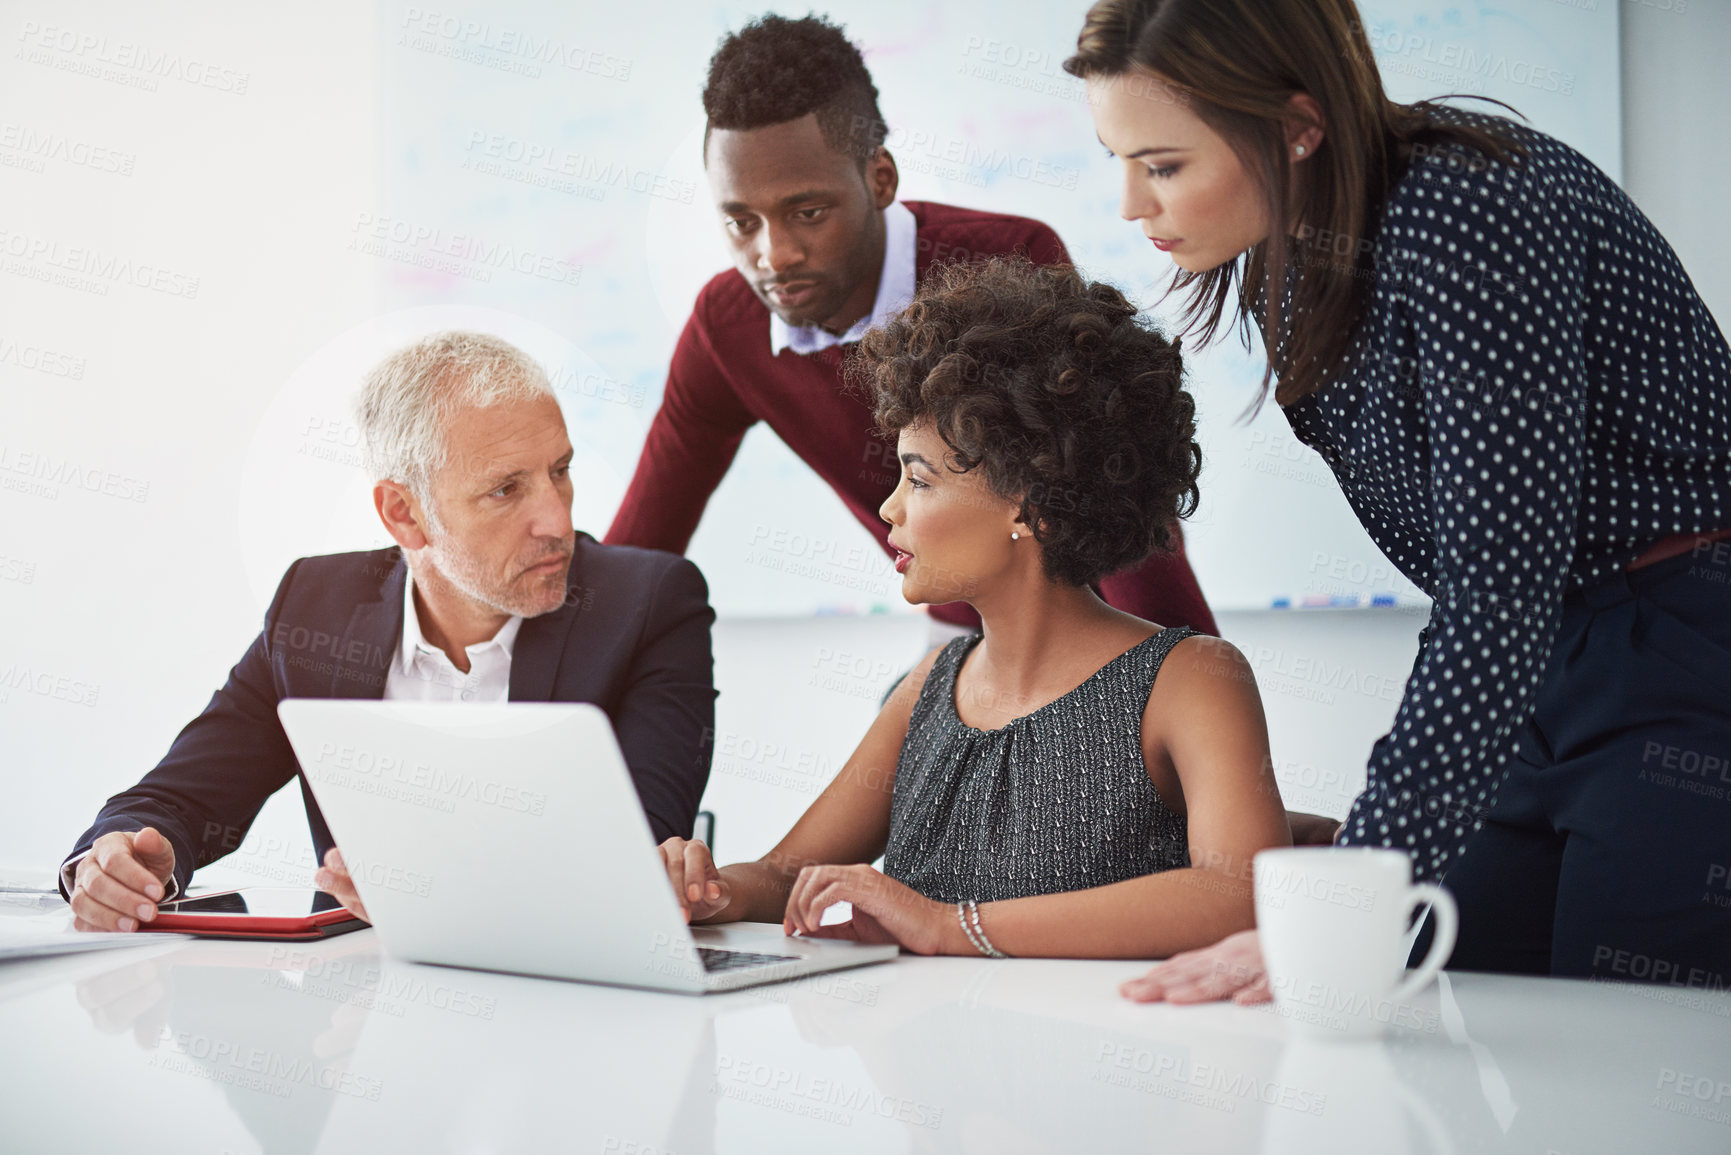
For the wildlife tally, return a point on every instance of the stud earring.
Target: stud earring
(1299, 150)
(1014, 536)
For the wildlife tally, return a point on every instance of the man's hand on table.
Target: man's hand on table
(333, 878)
(118, 884)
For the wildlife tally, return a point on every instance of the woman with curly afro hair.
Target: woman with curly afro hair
(1074, 781)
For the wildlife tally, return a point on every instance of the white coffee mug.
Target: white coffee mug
(1332, 923)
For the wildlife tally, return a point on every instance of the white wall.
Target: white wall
(1676, 139)
(171, 166)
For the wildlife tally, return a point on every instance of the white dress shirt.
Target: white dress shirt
(420, 672)
(895, 290)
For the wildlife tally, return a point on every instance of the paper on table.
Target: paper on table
(25, 903)
(34, 938)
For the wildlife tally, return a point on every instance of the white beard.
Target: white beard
(467, 575)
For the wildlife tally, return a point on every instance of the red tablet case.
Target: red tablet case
(323, 924)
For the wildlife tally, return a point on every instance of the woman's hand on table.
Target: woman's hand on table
(1231, 968)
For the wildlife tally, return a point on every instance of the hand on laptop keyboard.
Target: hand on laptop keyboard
(698, 885)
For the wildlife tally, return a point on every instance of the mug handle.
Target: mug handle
(1442, 905)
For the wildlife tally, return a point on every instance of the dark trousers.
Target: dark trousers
(1607, 853)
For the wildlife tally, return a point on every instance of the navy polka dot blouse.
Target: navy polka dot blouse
(1534, 394)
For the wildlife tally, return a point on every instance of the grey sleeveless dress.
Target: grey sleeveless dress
(1057, 800)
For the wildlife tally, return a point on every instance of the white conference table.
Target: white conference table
(212, 1046)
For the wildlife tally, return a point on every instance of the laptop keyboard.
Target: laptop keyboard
(715, 959)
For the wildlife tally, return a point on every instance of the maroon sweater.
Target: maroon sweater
(724, 380)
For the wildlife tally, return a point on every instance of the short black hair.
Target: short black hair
(1059, 392)
(775, 70)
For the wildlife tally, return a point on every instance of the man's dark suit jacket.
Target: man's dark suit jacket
(632, 638)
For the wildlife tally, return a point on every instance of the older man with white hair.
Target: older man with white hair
(488, 595)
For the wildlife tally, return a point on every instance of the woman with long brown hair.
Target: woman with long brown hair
(1529, 408)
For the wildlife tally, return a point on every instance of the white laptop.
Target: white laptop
(508, 837)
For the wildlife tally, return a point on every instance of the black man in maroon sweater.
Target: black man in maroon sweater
(822, 251)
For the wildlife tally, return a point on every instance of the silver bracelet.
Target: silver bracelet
(961, 917)
(981, 942)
